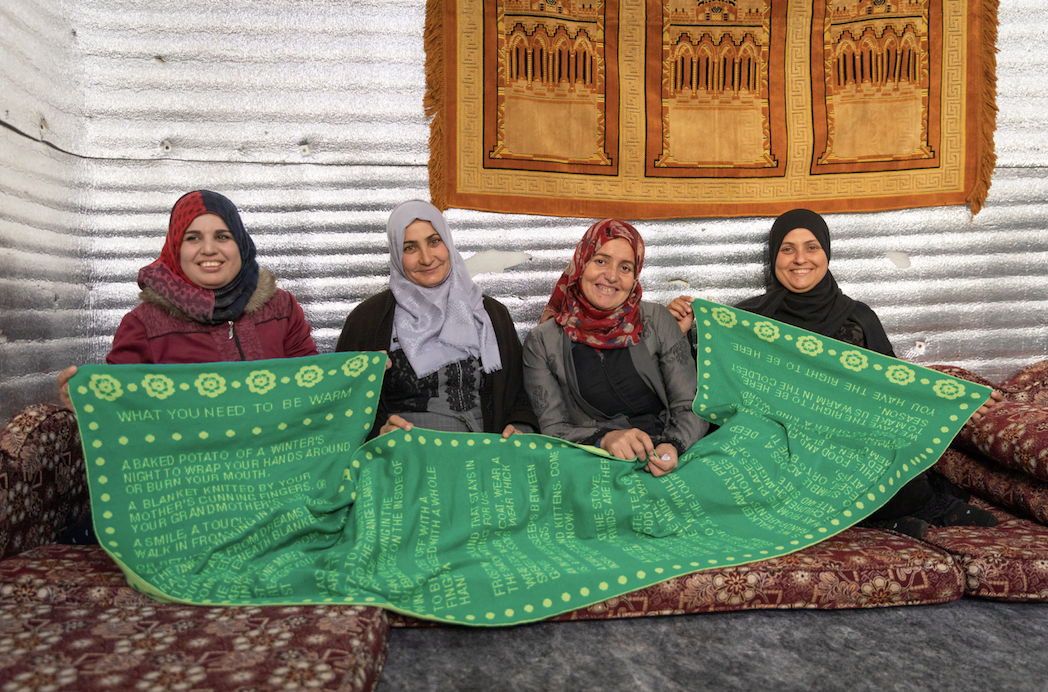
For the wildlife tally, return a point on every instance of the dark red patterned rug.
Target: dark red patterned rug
(1006, 562)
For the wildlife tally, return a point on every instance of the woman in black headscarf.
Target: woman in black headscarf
(802, 292)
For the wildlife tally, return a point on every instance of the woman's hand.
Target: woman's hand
(63, 386)
(510, 430)
(681, 310)
(395, 422)
(663, 460)
(627, 444)
(995, 398)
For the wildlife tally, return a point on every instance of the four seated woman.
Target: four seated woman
(607, 369)
(455, 357)
(604, 368)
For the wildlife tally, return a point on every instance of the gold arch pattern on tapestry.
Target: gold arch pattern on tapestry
(947, 73)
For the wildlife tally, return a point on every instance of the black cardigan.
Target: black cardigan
(370, 328)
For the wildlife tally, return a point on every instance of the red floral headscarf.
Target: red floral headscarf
(582, 322)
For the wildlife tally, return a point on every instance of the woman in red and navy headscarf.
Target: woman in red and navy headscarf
(606, 369)
(205, 299)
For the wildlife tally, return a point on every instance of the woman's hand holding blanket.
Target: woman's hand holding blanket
(627, 444)
(681, 310)
(63, 386)
(995, 398)
(662, 461)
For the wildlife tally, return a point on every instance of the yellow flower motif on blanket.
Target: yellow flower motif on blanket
(948, 389)
(725, 317)
(210, 384)
(355, 365)
(105, 387)
(261, 381)
(158, 386)
(853, 360)
(809, 345)
(309, 375)
(766, 330)
(900, 374)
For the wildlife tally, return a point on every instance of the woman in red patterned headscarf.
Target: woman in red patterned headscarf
(605, 368)
(602, 311)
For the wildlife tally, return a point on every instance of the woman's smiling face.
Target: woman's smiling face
(426, 259)
(609, 276)
(801, 262)
(209, 256)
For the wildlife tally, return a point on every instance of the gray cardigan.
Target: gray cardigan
(662, 358)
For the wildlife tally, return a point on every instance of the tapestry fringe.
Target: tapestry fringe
(435, 103)
(988, 105)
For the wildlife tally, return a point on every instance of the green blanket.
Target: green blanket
(247, 483)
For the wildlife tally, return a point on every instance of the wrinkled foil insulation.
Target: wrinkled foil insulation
(308, 114)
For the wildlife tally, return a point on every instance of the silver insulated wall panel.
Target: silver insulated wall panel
(308, 114)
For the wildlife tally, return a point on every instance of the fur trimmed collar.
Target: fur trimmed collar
(264, 291)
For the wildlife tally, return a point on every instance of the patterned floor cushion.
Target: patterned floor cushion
(1007, 562)
(858, 568)
(97, 632)
(1013, 490)
(66, 575)
(43, 487)
(167, 647)
(1015, 435)
(1029, 385)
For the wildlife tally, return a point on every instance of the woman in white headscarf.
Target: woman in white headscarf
(455, 358)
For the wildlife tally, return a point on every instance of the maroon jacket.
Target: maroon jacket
(272, 326)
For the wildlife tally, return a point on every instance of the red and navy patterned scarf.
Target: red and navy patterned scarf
(165, 275)
(582, 322)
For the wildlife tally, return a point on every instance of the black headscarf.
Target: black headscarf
(824, 308)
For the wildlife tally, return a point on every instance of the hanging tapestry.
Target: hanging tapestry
(243, 483)
(666, 108)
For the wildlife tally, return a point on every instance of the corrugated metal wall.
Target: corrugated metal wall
(308, 114)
